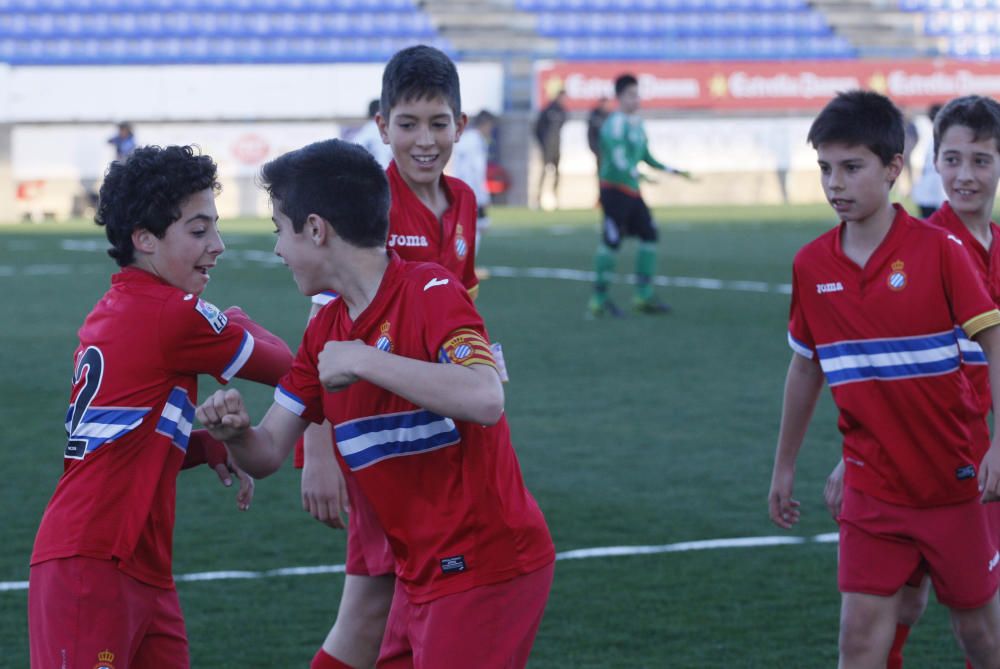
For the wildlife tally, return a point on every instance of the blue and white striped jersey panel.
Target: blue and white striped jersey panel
(289, 401)
(243, 354)
(972, 353)
(889, 359)
(365, 441)
(324, 298)
(177, 418)
(799, 347)
(100, 425)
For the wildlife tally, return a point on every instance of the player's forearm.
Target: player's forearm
(648, 158)
(472, 394)
(802, 387)
(317, 443)
(203, 448)
(260, 450)
(989, 341)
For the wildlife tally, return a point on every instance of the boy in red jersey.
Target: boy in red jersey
(967, 156)
(101, 585)
(400, 366)
(916, 450)
(433, 218)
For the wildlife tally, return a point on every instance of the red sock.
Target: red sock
(896, 654)
(968, 665)
(323, 660)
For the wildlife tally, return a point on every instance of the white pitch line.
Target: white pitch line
(268, 259)
(577, 554)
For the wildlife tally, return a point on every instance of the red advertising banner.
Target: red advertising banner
(767, 86)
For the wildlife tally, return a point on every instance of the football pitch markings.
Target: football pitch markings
(495, 271)
(576, 554)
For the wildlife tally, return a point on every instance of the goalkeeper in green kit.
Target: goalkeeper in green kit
(623, 146)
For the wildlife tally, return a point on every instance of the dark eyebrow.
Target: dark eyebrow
(202, 217)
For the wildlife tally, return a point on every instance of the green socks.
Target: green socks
(645, 268)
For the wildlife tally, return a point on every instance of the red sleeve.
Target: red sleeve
(971, 304)
(469, 278)
(800, 338)
(445, 308)
(203, 448)
(270, 359)
(299, 390)
(196, 338)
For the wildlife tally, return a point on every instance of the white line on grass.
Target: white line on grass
(577, 554)
(268, 259)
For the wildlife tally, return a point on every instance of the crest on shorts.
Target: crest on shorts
(461, 247)
(384, 341)
(897, 278)
(104, 660)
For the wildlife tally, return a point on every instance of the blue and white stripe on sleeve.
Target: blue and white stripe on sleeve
(243, 354)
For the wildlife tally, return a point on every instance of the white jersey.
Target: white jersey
(370, 138)
(468, 163)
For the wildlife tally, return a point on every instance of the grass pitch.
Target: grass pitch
(644, 431)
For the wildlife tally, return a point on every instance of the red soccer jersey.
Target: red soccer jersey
(987, 261)
(884, 337)
(449, 494)
(135, 386)
(417, 234)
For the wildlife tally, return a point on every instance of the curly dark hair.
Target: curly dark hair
(147, 192)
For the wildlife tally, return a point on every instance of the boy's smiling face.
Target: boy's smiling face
(421, 134)
(189, 247)
(855, 181)
(969, 170)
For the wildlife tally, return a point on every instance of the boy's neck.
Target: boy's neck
(360, 278)
(431, 194)
(978, 224)
(862, 237)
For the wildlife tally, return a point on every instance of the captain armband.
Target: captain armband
(467, 347)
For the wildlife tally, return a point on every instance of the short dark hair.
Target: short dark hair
(420, 73)
(373, 108)
(483, 117)
(860, 118)
(978, 113)
(336, 180)
(624, 81)
(146, 191)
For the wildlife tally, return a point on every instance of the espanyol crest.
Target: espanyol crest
(384, 341)
(897, 278)
(461, 246)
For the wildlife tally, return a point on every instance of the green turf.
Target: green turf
(644, 431)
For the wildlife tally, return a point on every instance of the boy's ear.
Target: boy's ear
(895, 166)
(460, 123)
(317, 229)
(383, 126)
(143, 240)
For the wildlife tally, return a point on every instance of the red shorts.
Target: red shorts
(488, 626)
(883, 545)
(368, 549)
(84, 613)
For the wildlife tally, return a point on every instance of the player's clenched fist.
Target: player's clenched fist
(224, 415)
(335, 363)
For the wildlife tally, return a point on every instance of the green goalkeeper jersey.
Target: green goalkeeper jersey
(623, 147)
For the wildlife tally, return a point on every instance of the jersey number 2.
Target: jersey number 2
(89, 370)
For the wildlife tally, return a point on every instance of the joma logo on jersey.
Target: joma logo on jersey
(831, 287)
(408, 240)
(994, 561)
